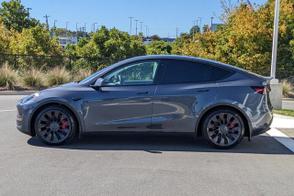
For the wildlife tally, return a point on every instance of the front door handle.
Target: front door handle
(143, 93)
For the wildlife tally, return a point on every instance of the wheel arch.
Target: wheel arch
(54, 103)
(207, 111)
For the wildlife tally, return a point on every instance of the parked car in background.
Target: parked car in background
(153, 94)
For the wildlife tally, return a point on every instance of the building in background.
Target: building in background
(214, 27)
(65, 40)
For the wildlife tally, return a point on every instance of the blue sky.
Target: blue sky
(161, 16)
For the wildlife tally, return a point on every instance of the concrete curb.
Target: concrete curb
(28, 92)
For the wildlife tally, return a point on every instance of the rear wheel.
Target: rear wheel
(55, 125)
(223, 128)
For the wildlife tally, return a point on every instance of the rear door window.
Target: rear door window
(177, 72)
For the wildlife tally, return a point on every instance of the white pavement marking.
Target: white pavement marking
(282, 138)
(8, 110)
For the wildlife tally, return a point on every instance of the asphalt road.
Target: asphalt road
(139, 165)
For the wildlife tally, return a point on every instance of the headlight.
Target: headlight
(30, 97)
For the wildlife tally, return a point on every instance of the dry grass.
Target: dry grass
(81, 74)
(57, 76)
(287, 88)
(33, 79)
(8, 77)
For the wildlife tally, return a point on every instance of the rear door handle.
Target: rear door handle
(143, 93)
(203, 91)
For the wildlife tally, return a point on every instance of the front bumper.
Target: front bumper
(23, 118)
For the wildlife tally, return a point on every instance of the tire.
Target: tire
(55, 125)
(223, 128)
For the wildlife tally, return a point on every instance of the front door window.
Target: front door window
(142, 73)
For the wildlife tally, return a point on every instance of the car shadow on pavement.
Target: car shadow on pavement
(159, 143)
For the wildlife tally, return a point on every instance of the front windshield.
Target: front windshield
(91, 77)
(94, 75)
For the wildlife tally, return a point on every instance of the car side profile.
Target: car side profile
(161, 93)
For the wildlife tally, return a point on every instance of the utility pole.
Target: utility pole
(146, 28)
(28, 10)
(141, 27)
(200, 23)
(177, 32)
(66, 25)
(94, 26)
(275, 40)
(211, 22)
(54, 24)
(131, 23)
(47, 22)
(136, 26)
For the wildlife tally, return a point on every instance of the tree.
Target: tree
(155, 38)
(5, 38)
(16, 16)
(245, 40)
(195, 29)
(159, 47)
(37, 47)
(105, 47)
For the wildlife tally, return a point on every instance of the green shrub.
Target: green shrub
(33, 78)
(57, 76)
(287, 88)
(8, 77)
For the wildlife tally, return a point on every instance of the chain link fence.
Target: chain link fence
(42, 62)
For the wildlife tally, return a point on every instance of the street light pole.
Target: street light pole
(276, 93)
(275, 40)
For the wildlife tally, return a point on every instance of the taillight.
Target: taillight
(259, 89)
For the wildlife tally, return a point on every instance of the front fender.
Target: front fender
(73, 106)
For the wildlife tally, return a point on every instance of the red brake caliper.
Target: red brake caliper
(64, 124)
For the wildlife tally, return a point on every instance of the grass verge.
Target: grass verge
(285, 112)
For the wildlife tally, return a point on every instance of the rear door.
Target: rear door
(181, 93)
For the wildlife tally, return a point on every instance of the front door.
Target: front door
(124, 102)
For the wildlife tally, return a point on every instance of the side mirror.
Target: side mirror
(98, 83)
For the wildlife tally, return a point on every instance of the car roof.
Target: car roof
(193, 59)
(177, 57)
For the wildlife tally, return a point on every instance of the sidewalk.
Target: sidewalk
(282, 130)
(288, 103)
(283, 122)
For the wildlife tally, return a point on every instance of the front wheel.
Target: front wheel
(55, 125)
(223, 128)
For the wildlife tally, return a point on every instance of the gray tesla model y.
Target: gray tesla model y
(220, 102)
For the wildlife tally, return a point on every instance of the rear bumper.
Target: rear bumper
(263, 124)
